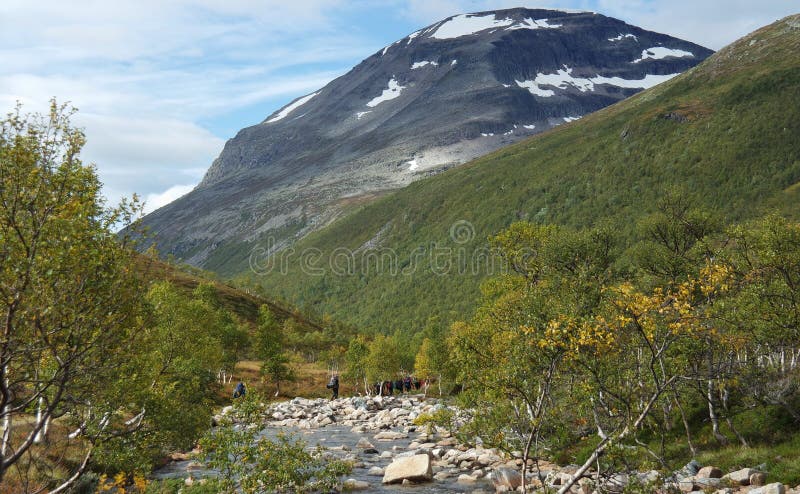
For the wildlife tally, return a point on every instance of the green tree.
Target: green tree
(233, 337)
(356, 361)
(383, 360)
(70, 300)
(511, 358)
(269, 347)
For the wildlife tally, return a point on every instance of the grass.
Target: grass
(310, 380)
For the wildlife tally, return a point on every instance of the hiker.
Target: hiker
(407, 384)
(240, 390)
(334, 386)
(417, 384)
(398, 385)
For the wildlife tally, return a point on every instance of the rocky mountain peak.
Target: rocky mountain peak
(444, 94)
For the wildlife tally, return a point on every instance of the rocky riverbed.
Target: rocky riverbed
(389, 453)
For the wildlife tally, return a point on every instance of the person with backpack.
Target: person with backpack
(240, 390)
(333, 385)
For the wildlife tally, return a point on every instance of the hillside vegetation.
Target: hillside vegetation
(724, 133)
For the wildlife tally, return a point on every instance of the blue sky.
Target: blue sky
(161, 84)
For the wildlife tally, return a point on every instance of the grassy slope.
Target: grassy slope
(726, 131)
(243, 304)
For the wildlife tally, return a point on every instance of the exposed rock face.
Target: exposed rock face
(439, 97)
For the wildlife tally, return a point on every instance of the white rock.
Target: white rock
(390, 436)
(774, 488)
(740, 477)
(355, 485)
(415, 468)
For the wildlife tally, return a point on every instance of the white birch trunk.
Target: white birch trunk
(6, 425)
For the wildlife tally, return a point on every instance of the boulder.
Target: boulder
(355, 485)
(689, 470)
(364, 444)
(740, 477)
(774, 488)
(442, 475)
(414, 468)
(390, 436)
(506, 477)
(375, 472)
(466, 479)
(709, 472)
(758, 479)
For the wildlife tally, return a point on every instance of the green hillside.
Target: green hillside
(243, 304)
(726, 133)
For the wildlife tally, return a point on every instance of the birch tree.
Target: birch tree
(68, 296)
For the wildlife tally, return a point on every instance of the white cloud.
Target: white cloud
(143, 73)
(155, 201)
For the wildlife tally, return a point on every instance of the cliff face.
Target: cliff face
(443, 95)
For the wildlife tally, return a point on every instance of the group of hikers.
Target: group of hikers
(380, 388)
(404, 385)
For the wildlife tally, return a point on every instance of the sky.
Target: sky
(160, 85)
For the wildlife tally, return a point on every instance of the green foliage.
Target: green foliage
(383, 360)
(68, 296)
(252, 463)
(356, 361)
(269, 347)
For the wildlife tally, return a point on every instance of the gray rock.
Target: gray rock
(709, 472)
(758, 479)
(740, 477)
(355, 485)
(506, 477)
(390, 436)
(774, 488)
(415, 468)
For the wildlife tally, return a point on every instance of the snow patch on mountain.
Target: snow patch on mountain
(533, 24)
(661, 52)
(412, 165)
(290, 108)
(529, 127)
(362, 113)
(467, 24)
(623, 36)
(390, 93)
(572, 119)
(419, 65)
(563, 79)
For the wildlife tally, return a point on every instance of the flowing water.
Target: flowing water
(341, 441)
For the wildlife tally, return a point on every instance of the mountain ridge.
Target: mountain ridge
(433, 100)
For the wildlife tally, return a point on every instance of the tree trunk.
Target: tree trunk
(712, 414)
(6, 427)
(685, 426)
(39, 435)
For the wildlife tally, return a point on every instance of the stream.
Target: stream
(341, 441)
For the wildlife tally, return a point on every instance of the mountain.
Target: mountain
(725, 132)
(439, 97)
